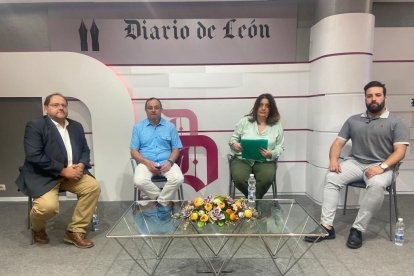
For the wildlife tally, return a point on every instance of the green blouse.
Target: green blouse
(247, 130)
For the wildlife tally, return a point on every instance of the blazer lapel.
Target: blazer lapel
(74, 143)
(56, 136)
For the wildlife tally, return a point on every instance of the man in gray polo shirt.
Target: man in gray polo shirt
(379, 141)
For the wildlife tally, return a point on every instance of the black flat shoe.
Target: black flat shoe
(331, 235)
(354, 239)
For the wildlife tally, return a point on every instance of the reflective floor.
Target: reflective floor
(377, 256)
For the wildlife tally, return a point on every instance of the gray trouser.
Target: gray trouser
(352, 171)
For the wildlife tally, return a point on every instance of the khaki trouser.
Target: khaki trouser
(46, 206)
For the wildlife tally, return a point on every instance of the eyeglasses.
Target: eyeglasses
(153, 107)
(57, 105)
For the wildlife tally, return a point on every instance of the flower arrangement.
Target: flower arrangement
(218, 209)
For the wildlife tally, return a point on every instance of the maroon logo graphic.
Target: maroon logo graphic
(189, 153)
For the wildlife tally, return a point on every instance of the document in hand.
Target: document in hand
(251, 148)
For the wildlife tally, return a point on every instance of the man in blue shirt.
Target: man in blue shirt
(155, 145)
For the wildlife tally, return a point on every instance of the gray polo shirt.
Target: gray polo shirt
(373, 140)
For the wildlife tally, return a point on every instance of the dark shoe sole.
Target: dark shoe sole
(353, 246)
(313, 239)
(40, 242)
(77, 245)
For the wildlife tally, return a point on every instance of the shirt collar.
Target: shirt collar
(384, 115)
(147, 122)
(57, 124)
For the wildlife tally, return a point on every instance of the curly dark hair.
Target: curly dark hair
(274, 115)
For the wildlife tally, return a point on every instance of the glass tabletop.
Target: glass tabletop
(275, 217)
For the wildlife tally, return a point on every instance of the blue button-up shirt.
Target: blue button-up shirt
(155, 143)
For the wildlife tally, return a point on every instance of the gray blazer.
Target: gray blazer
(45, 155)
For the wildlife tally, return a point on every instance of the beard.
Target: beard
(375, 108)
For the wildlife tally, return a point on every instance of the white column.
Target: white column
(341, 64)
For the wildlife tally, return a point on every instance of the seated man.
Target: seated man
(155, 145)
(379, 141)
(57, 158)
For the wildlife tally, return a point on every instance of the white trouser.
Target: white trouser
(142, 178)
(352, 171)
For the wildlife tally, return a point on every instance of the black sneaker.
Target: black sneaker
(331, 235)
(354, 239)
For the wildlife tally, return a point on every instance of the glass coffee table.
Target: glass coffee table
(148, 231)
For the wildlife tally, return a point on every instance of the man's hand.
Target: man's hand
(152, 168)
(73, 172)
(373, 171)
(165, 167)
(334, 166)
(79, 166)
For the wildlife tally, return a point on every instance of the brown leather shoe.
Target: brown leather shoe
(40, 236)
(77, 239)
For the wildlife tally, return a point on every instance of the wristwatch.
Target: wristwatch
(171, 162)
(384, 166)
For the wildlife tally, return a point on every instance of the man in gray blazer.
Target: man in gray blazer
(57, 157)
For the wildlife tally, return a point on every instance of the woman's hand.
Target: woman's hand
(266, 153)
(236, 147)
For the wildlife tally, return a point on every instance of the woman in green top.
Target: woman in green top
(263, 122)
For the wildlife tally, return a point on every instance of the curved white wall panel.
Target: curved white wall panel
(91, 82)
(340, 74)
(342, 33)
(328, 113)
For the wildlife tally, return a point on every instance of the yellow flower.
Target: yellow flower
(208, 206)
(221, 205)
(194, 216)
(238, 203)
(204, 218)
(198, 202)
(248, 213)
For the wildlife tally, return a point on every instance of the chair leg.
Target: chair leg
(346, 198)
(135, 193)
(29, 226)
(180, 193)
(395, 204)
(274, 190)
(390, 204)
(29, 208)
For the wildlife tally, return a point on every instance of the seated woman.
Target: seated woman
(263, 122)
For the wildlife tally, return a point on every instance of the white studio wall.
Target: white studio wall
(394, 65)
(205, 102)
